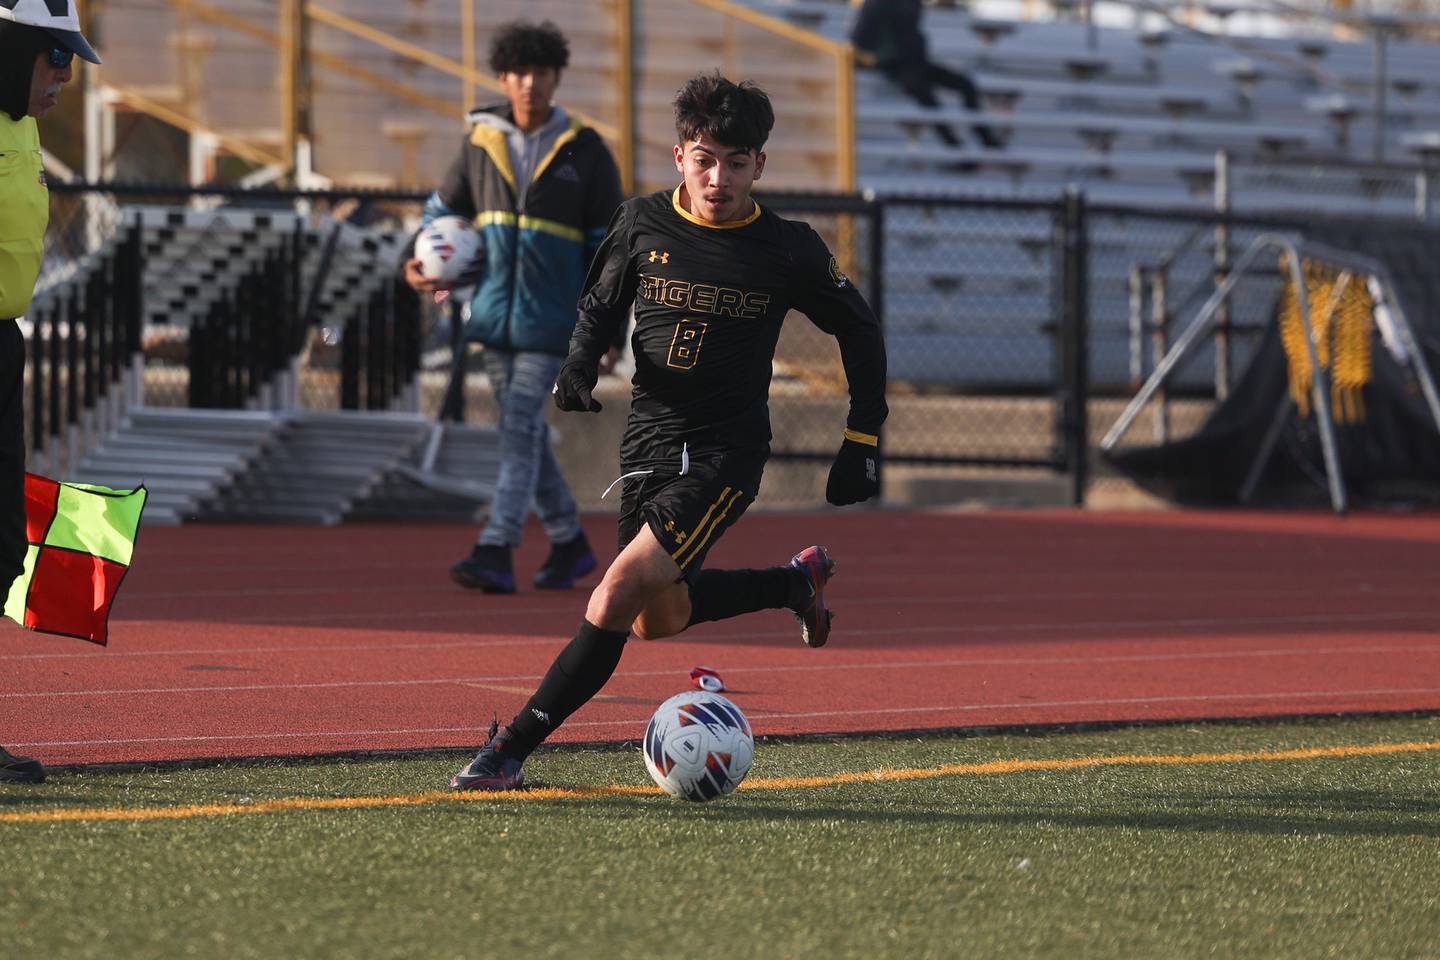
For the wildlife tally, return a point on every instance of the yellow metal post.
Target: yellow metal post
(290, 80)
(732, 46)
(467, 44)
(625, 92)
(845, 115)
(848, 239)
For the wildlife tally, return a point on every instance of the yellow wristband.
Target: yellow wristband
(866, 438)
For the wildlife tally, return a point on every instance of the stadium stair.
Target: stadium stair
(311, 467)
(183, 457)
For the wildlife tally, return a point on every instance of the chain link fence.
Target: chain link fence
(999, 316)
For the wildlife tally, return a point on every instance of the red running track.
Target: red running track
(232, 641)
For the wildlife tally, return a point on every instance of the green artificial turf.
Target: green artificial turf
(1329, 857)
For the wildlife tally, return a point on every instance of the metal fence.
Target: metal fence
(983, 317)
(82, 337)
(1005, 321)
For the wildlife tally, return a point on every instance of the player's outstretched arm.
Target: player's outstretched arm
(833, 304)
(609, 291)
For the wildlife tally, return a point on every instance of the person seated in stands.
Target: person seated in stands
(889, 30)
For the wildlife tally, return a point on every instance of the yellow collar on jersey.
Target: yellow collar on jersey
(727, 225)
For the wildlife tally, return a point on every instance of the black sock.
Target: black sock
(721, 594)
(577, 674)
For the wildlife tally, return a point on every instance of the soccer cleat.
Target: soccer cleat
(807, 600)
(491, 769)
(487, 569)
(15, 769)
(567, 563)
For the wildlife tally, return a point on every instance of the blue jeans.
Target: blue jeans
(529, 474)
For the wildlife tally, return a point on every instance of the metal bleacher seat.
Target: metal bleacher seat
(195, 258)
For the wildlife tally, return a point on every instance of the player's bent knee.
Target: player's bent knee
(653, 627)
(617, 601)
(666, 615)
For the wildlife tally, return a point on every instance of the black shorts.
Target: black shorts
(688, 513)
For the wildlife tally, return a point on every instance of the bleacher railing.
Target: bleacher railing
(84, 338)
(302, 325)
(240, 351)
(376, 95)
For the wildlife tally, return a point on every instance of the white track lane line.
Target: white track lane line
(962, 663)
(969, 628)
(1392, 585)
(638, 722)
(929, 600)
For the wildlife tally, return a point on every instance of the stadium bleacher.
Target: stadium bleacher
(1132, 116)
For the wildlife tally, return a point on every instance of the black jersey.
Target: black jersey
(709, 302)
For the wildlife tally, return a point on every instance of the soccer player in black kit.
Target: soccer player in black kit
(711, 276)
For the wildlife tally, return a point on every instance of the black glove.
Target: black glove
(573, 386)
(855, 474)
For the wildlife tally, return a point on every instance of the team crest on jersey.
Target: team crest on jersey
(839, 279)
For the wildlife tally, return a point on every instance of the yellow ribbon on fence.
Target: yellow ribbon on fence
(1343, 333)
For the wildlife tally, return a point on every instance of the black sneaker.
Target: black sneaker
(487, 568)
(491, 769)
(15, 769)
(807, 600)
(567, 563)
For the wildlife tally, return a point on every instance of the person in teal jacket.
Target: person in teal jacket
(38, 41)
(540, 186)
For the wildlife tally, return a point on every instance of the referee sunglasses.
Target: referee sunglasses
(59, 58)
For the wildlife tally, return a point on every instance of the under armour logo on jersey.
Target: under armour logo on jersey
(662, 257)
(567, 172)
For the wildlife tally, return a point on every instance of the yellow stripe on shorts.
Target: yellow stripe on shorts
(697, 542)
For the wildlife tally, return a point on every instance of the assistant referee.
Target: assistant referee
(38, 41)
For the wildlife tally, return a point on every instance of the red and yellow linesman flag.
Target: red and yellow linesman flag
(81, 538)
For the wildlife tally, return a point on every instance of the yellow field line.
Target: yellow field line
(779, 783)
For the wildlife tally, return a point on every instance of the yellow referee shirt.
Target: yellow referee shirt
(24, 213)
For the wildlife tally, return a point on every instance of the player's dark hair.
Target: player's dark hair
(735, 114)
(521, 43)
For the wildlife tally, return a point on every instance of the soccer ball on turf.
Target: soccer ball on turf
(698, 746)
(449, 251)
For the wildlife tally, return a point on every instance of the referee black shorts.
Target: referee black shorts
(688, 513)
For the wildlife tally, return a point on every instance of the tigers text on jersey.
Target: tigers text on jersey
(709, 302)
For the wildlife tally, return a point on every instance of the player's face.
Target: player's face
(718, 178)
(530, 91)
(45, 84)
